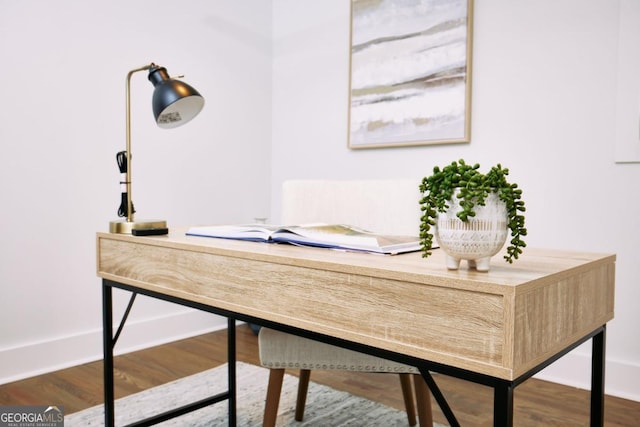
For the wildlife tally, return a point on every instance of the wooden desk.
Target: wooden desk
(496, 328)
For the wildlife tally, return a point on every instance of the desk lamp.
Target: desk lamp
(174, 104)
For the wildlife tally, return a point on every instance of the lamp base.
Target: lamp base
(126, 227)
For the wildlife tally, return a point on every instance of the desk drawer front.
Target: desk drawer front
(457, 327)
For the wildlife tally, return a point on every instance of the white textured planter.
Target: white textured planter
(476, 240)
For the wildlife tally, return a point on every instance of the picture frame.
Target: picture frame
(627, 143)
(410, 72)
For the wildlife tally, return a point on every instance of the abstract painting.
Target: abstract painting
(410, 72)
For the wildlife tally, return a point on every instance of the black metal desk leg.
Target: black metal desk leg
(107, 348)
(439, 397)
(231, 363)
(597, 378)
(503, 404)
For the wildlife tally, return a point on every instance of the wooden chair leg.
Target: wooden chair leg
(423, 400)
(274, 389)
(303, 386)
(405, 383)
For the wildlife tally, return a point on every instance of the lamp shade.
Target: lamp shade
(174, 102)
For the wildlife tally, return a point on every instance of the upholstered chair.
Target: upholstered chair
(383, 206)
(280, 351)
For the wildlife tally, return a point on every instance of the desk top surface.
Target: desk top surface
(534, 264)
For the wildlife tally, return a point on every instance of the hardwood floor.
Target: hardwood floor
(537, 403)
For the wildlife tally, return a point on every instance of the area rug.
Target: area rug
(325, 407)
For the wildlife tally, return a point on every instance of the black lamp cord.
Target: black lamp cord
(123, 210)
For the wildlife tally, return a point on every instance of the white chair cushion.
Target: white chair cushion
(279, 350)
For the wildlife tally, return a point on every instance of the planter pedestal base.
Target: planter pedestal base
(480, 264)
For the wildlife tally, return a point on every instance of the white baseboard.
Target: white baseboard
(574, 369)
(45, 356)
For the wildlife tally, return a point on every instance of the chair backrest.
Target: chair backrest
(381, 206)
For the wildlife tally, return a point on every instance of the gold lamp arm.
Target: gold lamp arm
(128, 146)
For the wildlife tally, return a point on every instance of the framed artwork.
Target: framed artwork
(628, 99)
(410, 72)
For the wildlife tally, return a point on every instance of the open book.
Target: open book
(343, 237)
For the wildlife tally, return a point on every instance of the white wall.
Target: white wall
(275, 78)
(544, 97)
(62, 120)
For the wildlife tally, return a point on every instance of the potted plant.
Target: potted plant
(461, 191)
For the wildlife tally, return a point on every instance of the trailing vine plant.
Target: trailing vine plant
(473, 189)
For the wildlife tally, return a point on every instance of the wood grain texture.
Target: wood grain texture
(501, 323)
(550, 316)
